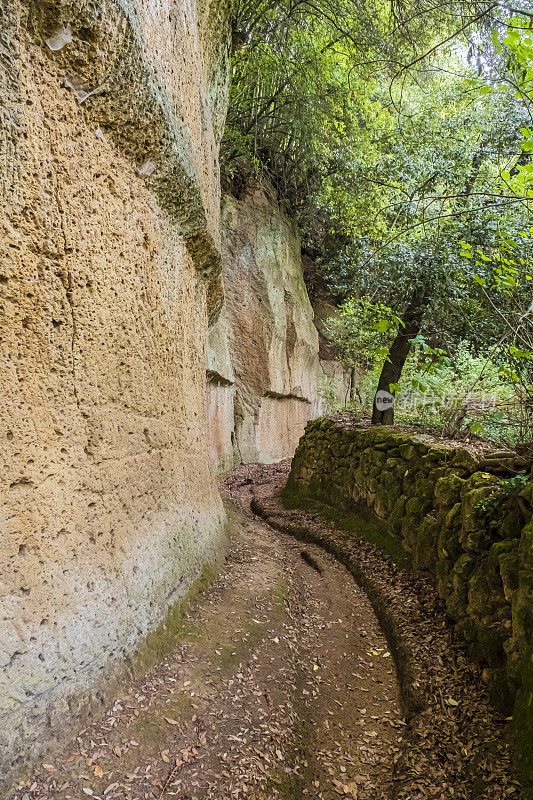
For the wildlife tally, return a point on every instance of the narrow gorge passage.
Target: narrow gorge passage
(281, 685)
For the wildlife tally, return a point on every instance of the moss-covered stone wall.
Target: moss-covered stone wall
(470, 528)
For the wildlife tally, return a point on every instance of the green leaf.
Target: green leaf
(382, 325)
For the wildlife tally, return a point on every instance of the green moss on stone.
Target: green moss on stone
(397, 514)
(489, 642)
(437, 503)
(407, 451)
(361, 523)
(448, 491)
(465, 460)
(523, 715)
(158, 643)
(415, 507)
(502, 690)
(425, 544)
(448, 544)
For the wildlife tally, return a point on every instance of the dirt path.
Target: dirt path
(281, 685)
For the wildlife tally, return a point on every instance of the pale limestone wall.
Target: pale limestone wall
(108, 503)
(264, 344)
(281, 422)
(220, 396)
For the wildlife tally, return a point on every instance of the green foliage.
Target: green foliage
(445, 391)
(309, 106)
(466, 391)
(394, 132)
(361, 332)
(295, 97)
(507, 487)
(326, 390)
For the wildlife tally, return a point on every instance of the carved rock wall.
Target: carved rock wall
(265, 376)
(109, 236)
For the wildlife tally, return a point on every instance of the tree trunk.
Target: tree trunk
(352, 384)
(399, 350)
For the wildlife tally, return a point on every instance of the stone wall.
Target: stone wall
(109, 238)
(470, 528)
(264, 371)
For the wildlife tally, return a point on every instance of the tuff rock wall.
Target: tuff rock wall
(265, 376)
(472, 529)
(111, 115)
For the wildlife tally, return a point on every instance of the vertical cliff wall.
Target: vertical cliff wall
(265, 377)
(110, 120)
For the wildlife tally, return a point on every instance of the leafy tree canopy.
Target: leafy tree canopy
(400, 135)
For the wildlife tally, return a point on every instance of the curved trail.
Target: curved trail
(281, 685)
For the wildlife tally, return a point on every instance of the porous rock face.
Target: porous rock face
(109, 237)
(265, 377)
(470, 528)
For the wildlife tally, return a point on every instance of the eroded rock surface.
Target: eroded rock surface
(266, 379)
(111, 116)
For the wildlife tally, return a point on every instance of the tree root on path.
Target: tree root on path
(311, 561)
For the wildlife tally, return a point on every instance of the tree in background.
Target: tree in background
(448, 176)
